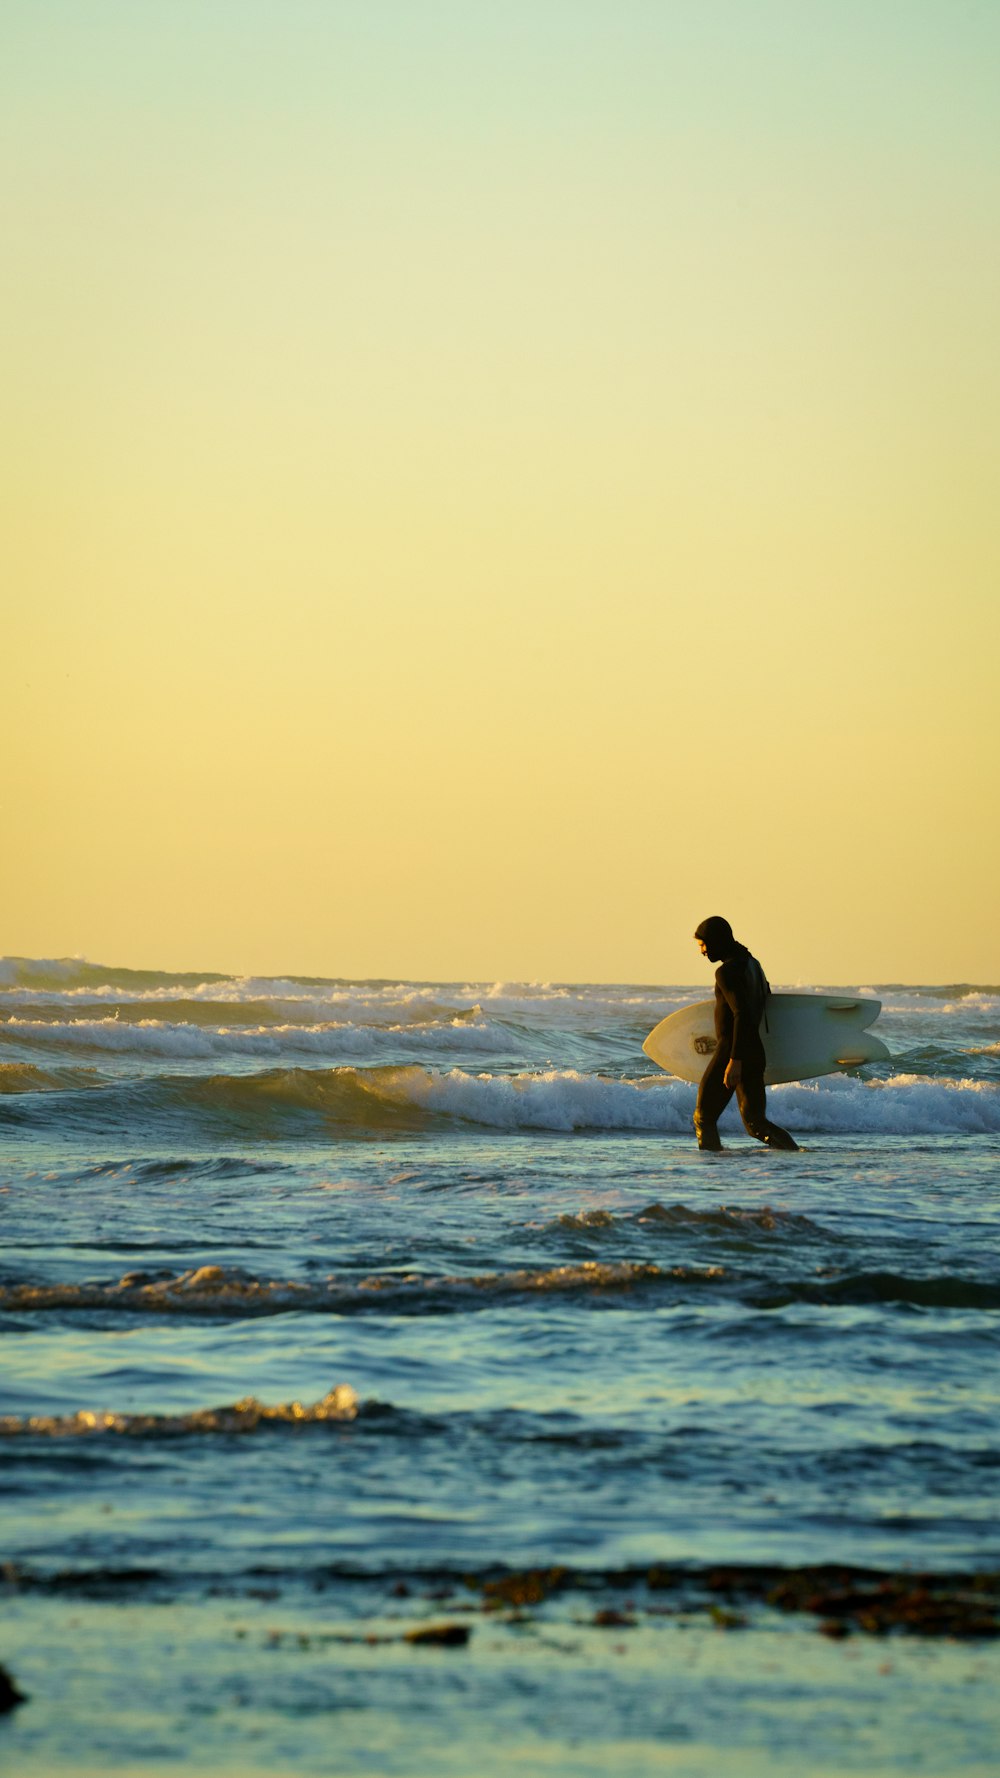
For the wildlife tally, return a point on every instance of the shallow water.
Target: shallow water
(324, 1302)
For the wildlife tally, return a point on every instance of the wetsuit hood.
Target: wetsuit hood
(716, 935)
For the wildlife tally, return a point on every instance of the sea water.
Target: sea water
(335, 1313)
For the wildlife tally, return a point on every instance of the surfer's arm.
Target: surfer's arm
(732, 986)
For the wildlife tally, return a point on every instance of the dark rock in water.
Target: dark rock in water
(957, 1606)
(659, 1578)
(440, 1635)
(527, 1588)
(10, 1694)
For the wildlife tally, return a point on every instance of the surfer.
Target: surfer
(737, 1064)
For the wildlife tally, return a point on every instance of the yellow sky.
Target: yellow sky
(486, 487)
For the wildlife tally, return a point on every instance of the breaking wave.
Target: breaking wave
(229, 1291)
(248, 1415)
(71, 984)
(232, 1293)
(161, 1037)
(232, 1009)
(410, 1097)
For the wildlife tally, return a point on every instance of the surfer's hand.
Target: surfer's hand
(733, 1074)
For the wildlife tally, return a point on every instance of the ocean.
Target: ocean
(390, 1386)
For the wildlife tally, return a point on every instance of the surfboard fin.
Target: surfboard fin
(871, 1050)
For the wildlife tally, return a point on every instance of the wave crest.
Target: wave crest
(24, 1077)
(248, 1415)
(409, 1097)
(200, 1041)
(229, 1291)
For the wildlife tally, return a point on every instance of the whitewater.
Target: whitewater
(390, 1385)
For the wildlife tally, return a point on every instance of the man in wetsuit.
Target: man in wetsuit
(737, 1064)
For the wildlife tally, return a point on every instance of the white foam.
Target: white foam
(236, 993)
(160, 1038)
(396, 1003)
(904, 1105)
(559, 1099)
(569, 1100)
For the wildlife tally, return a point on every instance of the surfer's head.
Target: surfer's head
(715, 936)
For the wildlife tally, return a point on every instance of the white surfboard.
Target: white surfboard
(804, 1035)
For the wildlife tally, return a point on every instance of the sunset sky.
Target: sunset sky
(486, 486)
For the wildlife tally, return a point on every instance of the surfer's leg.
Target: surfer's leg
(752, 1101)
(713, 1097)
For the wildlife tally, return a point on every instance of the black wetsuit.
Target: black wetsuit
(741, 992)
